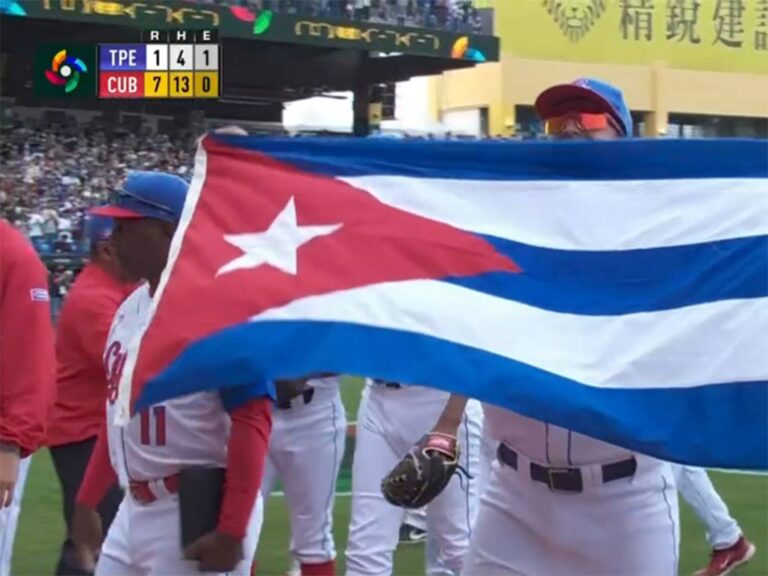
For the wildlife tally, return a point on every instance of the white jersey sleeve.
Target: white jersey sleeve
(187, 431)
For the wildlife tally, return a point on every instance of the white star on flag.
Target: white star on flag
(278, 246)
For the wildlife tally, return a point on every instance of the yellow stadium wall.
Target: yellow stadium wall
(658, 77)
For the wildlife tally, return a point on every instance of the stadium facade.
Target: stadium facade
(689, 68)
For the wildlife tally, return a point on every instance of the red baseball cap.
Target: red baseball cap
(585, 95)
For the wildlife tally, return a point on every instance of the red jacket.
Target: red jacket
(81, 335)
(27, 357)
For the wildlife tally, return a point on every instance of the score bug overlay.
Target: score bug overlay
(65, 71)
(168, 64)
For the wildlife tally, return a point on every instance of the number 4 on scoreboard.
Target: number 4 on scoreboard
(181, 56)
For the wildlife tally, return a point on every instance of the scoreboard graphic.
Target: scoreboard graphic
(177, 64)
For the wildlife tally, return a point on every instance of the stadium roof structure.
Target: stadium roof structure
(268, 58)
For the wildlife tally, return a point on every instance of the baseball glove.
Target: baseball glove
(423, 472)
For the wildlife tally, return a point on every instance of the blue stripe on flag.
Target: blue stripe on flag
(630, 281)
(717, 425)
(535, 160)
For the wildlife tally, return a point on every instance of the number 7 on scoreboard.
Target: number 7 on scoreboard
(156, 84)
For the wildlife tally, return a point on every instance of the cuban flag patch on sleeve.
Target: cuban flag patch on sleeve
(39, 295)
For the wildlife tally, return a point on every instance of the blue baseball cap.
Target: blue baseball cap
(585, 95)
(147, 194)
(98, 228)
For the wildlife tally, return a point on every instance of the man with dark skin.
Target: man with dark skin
(81, 387)
(202, 429)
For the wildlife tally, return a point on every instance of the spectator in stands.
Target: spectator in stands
(81, 381)
(52, 174)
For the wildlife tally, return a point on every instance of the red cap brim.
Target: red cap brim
(565, 98)
(115, 212)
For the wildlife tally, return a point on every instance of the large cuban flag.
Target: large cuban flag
(619, 289)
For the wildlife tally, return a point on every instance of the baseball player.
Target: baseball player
(559, 502)
(27, 373)
(414, 525)
(81, 334)
(148, 454)
(730, 549)
(392, 418)
(305, 451)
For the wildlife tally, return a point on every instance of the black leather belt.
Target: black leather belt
(387, 384)
(567, 479)
(306, 395)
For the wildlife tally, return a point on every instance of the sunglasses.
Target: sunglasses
(125, 199)
(584, 122)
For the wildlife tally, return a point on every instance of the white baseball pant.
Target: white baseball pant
(628, 527)
(9, 519)
(697, 490)
(390, 422)
(145, 540)
(305, 452)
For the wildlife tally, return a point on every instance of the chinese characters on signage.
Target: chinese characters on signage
(683, 21)
(688, 21)
(761, 29)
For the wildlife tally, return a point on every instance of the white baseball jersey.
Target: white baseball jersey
(546, 443)
(189, 431)
(329, 384)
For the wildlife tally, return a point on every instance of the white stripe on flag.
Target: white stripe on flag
(585, 215)
(705, 344)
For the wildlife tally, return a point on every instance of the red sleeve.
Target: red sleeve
(99, 475)
(27, 354)
(246, 453)
(93, 322)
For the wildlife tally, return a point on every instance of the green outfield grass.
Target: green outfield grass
(41, 528)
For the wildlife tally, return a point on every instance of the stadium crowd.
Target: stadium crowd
(52, 174)
(457, 15)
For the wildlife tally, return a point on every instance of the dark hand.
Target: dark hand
(287, 390)
(87, 535)
(215, 552)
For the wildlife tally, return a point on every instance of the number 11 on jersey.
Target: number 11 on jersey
(152, 422)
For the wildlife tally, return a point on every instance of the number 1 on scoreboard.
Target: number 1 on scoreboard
(157, 57)
(206, 57)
